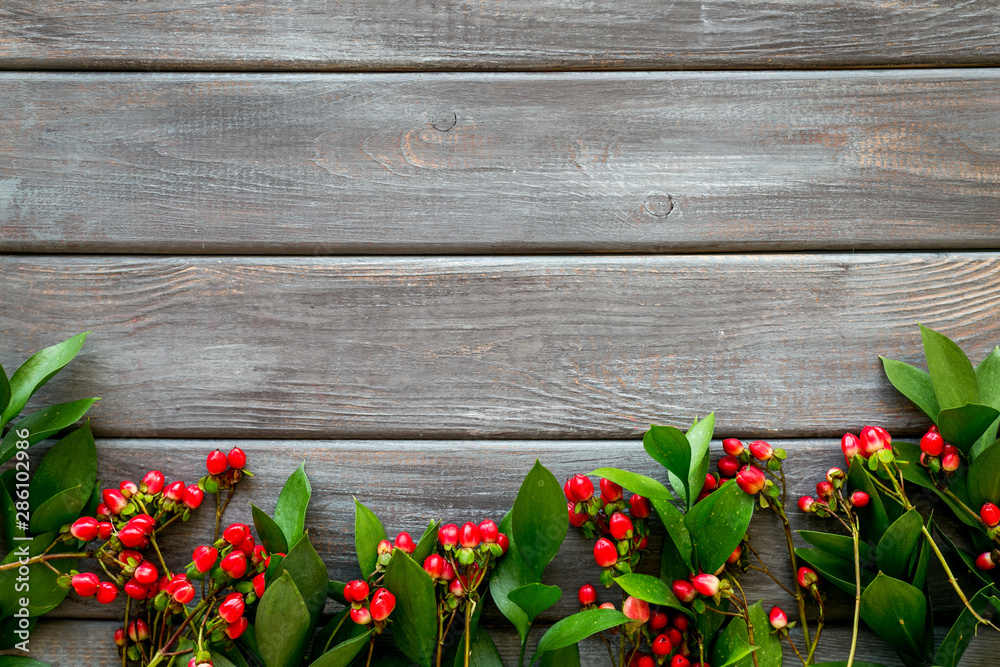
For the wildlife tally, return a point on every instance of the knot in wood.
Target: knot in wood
(444, 120)
(658, 204)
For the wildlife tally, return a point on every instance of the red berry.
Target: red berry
(85, 584)
(729, 466)
(824, 490)
(567, 491)
(807, 577)
(138, 631)
(658, 620)
(732, 446)
(152, 483)
(990, 514)
(711, 483)
(932, 443)
(606, 605)
(835, 474)
(587, 595)
(751, 480)
(581, 487)
(434, 566)
(676, 638)
(984, 561)
(778, 618)
(193, 496)
(610, 491)
(489, 531)
(950, 462)
(356, 591)
(236, 533)
(850, 444)
(146, 573)
(605, 552)
(621, 526)
(204, 558)
(143, 522)
(761, 450)
(639, 507)
(258, 584)
(859, 498)
(661, 645)
(576, 519)
(128, 489)
(504, 543)
(383, 602)
(232, 607)
(114, 500)
(456, 588)
(135, 590)
(234, 564)
(679, 661)
(105, 530)
(735, 556)
(384, 547)
(706, 584)
(361, 616)
(681, 622)
(236, 629)
(469, 535)
(102, 512)
(120, 637)
(684, 591)
(132, 536)
(448, 535)
(130, 558)
(258, 555)
(174, 491)
(216, 463)
(85, 528)
(873, 439)
(237, 459)
(107, 592)
(183, 591)
(636, 609)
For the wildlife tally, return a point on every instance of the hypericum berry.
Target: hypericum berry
(193, 496)
(735, 556)
(732, 446)
(806, 503)
(778, 618)
(104, 530)
(850, 444)
(636, 609)
(132, 536)
(135, 590)
(85, 584)
(610, 491)
(621, 526)
(504, 543)
(984, 561)
(434, 566)
(587, 595)
(679, 661)
(204, 558)
(873, 439)
(258, 556)
(661, 645)
(236, 458)
(236, 629)
(751, 480)
(383, 547)
(107, 592)
(405, 543)
(576, 519)
(807, 577)
(729, 466)
(146, 573)
(568, 492)
(152, 483)
(762, 451)
(174, 491)
(448, 535)
(706, 584)
(605, 552)
(236, 533)
(361, 616)
(684, 591)
(203, 662)
(234, 564)
(216, 463)
(138, 630)
(258, 585)
(990, 514)
(143, 522)
(469, 536)
(681, 622)
(383, 602)
(356, 591)
(860, 498)
(581, 487)
(128, 489)
(950, 462)
(834, 475)
(456, 588)
(658, 620)
(85, 528)
(102, 512)
(120, 637)
(130, 558)
(711, 483)
(824, 490)
(639, 507)
(489, 531)
(932, 443)
(232, 607)
(183, 591)
(247, 545)
(114, 500)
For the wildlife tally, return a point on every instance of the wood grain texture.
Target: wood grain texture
(464, 163)
(407, 483)
(48, 643)
(548, 347)
(517, 34)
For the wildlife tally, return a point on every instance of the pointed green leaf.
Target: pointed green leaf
(913, 383)
(652, 590)
(567, 656)
(733, 647)
(896, 611)
(309, 574)
(837, 571)
(339, 629)
(482, 651)
(427, 542)
(47, 421)
(953, 646)
(269, 532)
(670, 447)
(343, 653)
(841, 546)
(36, 371)
(634, 482)
(60, 509)
(678, 542)
(20, 660)
(8, 491)
(718, 524)
(988, 377)
(414, 621)
(951, 371)
(282, 625)
(896, 547)
(963, 426)
(70, 462)
(293, 501)
(538, 519)
(534, 598)
(41, 581)
(699, 436)
(510, 574)
(4, 392)
(576, 628)
(368, 532)
(984, 476)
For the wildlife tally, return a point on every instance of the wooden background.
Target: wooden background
(418, 245)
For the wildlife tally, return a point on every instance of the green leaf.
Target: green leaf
(427, 542)
(269, 532)
(538, 519)
(718, 524)
(634, 482)
(918, 475)
(896, 547)
(4, 392)
(841, 546)
(576, 628)
(60, 509)
(40, 425)
(984, 476)
(951, 371)
(343, 653)
(913, 383)
(988, 377)
(9, 627)
(510, 574)
(670, 447)
(41, 581)
(896, 611)
(874, 519)
(952, 647)
(20, 661)
(482, 651)
(733, 646)
(309, 574)
(71, 462)
(963, 426)
(335, 591)
(293, 501)
(337, 630)
(36, 371)
(652, 590)
(414, 621)
(8, 491)
(837, 571)
(283, 622)
(567, 656)
(700, 437)
(534, 598)
(680, 540)
(708, 623)
(368, 532)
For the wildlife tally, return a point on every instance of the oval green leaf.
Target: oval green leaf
(984, 476)
(733, 647)
(269, 532)
(718, 524)
(670, 448)
(282, 625)
(70, 462)
(578, 627)
(309, 574)
(47, 421)
(60, 509)
(699, 436)
(414, 621)
(963, 426)
(510, 574)
(895, 549)
(36, 371)
(343, 653)
(634, 482)
(427, 542)
(482, 651)
(368, 532)
(651, 590)
(951, 372)
(534, 598)
(538, 519)
(293, 501)
(837, 571)
(841, 546)
(897, 612)
(913, 383)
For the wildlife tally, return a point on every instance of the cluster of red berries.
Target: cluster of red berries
(620, 523)
(990, 516)
(364, 612)
(873, 439)
(828, 499)
(745, 464)
(467, 555)
(225, 470)
(936, 454)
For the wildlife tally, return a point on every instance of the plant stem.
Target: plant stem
(795, 648)
(951, 578)
(746, 615)
(128, 601)
(371, 649)
(469, 606)
(800, 598)
(163, 563)
(334, 633)
(857, 591)
(41, 558)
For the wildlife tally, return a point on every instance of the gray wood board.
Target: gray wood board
(539, 347)
(501, 163)
(94, 646)
(518, 34)
(408, 483)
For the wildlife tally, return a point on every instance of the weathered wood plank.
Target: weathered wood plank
(553, 347)
(408, 483)
(419, 164)
(518, 34)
